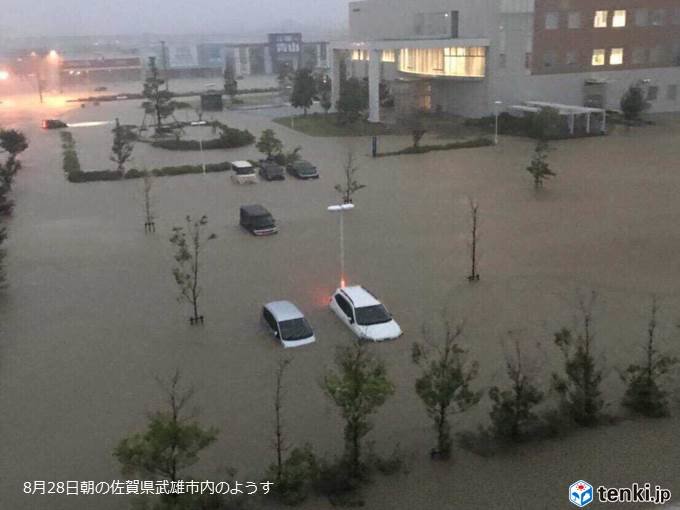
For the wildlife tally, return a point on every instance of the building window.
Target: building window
(388, 56)
(672, 93)
(362, 55)
(600, 20)
(619, 19)
(676, 16)
(552, 20)
(652, 93)
(527, 60)
(574, 20)
(502, 60)
(656, 55)
(639, 56)
(572, 58)
(549, 58)
(598, 57)
(656, 17)
(642, 17)
(463, 62)
(616, 57)
(675, 53)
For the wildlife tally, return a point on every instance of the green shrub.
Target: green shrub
(95, 175)
(421, 149)
(133, 173)
(298, 475)
(230, 138)
(335, 482)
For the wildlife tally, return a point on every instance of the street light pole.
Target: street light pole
(341, 209)
(496, 104)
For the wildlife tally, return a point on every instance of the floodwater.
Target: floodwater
(90, 314)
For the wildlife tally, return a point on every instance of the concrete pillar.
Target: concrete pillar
(588, 122)
(268, 68)
(604, 121)
(246, 62)
(374, 86)
(236, 55)
(571, 123)
(335, 57)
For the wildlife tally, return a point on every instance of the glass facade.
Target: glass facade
(454, 62)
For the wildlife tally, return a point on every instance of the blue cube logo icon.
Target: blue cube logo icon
(581, 493)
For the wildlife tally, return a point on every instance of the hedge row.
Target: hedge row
(231, 138)
(70, 156)
(422, 149)
(133, 173)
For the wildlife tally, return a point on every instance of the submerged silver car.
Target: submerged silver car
(287, 323)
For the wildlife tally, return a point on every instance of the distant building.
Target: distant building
(80, 69)
(467, 57)
(281, 49)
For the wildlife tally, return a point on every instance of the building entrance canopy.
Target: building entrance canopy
(567, 110)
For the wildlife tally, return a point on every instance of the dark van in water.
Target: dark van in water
(257, 220)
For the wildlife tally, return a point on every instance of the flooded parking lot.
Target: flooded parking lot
(90, 314)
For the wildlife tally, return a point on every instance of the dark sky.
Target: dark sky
(92, 17)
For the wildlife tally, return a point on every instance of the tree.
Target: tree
(352, 102)
(633, 103)
(415, 125)
(645, 394)
(158, 101)
(149, 218)
(444, 383)
(123, 145)
(304, 90)
(539, 167)
(12, 142)
(288, 158)
(230, 83)
(358, 388)
(3, 276)
(324, 89)
(512, 415)
(269, 144)
(189, 242)
(292, 474)
(579, 387)
(474, 238)
(6, 203)
(170, 444)
(351, 185)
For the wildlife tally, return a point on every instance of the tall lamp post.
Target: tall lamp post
(341, 209)
(496, 106)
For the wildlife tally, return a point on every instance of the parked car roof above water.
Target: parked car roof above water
(284, 310)
(360, 296)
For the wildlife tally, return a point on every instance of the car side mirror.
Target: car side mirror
(351, 320)
(276, 333)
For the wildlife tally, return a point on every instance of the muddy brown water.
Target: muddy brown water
(90, 315)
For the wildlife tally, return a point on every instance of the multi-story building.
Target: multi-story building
(468, 57)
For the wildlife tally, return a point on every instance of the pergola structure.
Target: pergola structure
(570, 111)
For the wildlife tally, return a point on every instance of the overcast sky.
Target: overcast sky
(105, 17)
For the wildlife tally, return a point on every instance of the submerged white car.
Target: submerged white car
(364, 314)
(287, 323)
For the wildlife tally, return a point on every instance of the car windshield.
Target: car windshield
(295, 329)
(306, 168)
(369, 315)
(263, 221)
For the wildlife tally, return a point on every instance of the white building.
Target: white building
(464, 57)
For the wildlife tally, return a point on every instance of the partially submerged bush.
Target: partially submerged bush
(299, 473)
